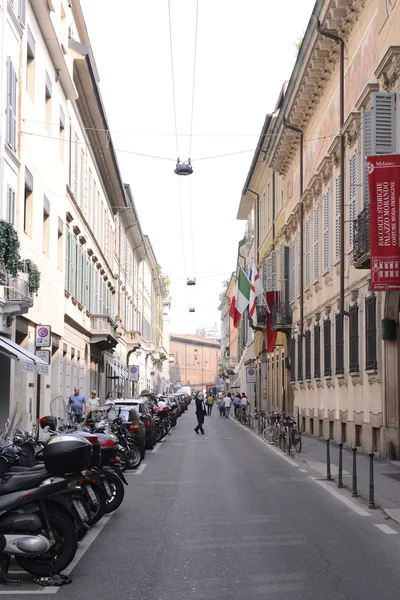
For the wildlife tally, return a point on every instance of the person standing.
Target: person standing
(236, 403)
(227, 404)
(210, 404)
(221, 406)
(94, 400)
(244, 404)
(77, 405)
(200, 413)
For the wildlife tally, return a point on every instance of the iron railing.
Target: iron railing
(3, 274)
(103, 324)
(281, 315)
(361, 239)
(261, 314)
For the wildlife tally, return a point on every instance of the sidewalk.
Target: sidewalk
(386, 474)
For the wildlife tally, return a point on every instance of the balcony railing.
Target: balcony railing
(281, 316)
(261, 314)
(3, 274)
(103, 325)
(361, 240)
(18, 299)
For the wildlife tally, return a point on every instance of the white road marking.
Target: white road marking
(156, 449)
(140, 469)
(303, 470)
(357, 509)
(387, 529)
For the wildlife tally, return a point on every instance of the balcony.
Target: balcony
(281, 317)
(104, 332)
(361, 241)
(261, 314)
(16, 296)
(3, 274)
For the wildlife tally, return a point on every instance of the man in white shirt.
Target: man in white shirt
(244, 403)
(227, 404)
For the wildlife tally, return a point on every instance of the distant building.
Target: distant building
(211, 332)
(195, 360)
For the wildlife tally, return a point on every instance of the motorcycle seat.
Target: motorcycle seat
(22, 481)
(17, 469)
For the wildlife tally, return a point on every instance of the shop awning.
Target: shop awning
(11, 349)
(119, 371)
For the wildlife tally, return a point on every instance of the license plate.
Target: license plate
(108, 489)
(80, 510)
(91, 493)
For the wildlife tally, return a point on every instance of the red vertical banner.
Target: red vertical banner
(270, 336)
(384, 192)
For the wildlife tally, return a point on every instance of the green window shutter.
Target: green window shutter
(383, 130)
(367, 150)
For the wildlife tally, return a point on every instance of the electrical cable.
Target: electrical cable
(194, 76)
(182, 229)
(173, 78)
(191, 225)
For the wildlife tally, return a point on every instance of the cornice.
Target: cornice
(388, 71)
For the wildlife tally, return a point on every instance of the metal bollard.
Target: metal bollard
(328, 460)
(340, 474)
(354, 492)
(371, 503)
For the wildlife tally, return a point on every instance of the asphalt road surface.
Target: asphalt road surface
(224, 517)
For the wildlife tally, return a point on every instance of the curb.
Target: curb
(392, 513)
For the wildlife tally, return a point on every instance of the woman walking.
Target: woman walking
(227, 404)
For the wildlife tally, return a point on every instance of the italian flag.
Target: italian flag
(240, 300)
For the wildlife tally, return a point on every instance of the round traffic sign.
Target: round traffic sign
(133, 370)
(43, 332)
(251, 371)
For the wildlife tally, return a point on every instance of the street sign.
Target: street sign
(251, 376)
(26, 366)
(43, 336)
(133, 374)
(43, 355)
(43, 369)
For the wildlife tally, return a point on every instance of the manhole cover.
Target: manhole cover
(395, 476)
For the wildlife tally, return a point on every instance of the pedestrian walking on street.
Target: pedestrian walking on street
(227, 404)
(236, 403)
(221, 406)
(77, 405)
(244, 404)
(94, 400)
(200, 413)
(210, 404)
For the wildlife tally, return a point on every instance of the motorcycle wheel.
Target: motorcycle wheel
(133, 457)
(97, 507)
(118, 492)
(80, 528)
(159, 433)
(123, 463)
(60, 555)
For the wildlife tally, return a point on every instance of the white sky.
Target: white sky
(245, 52)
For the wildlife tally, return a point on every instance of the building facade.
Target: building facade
(195, 361)
(101, 292)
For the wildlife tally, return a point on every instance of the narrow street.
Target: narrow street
(221, 516)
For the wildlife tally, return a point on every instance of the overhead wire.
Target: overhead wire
(194, 76)
(173, 77)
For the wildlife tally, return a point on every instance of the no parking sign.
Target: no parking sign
(133, 374)
(251, 376)
(43, 336)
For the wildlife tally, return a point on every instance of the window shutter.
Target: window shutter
(316, 243)
(298, 264)
(353, 339)
(339, 344)
(265, 276)
(300, 358)
(326, 231)
(22, 12)
(79, 274)
(337, 232)
(284, 273)
(308, 354)
(14, 109)
(352, 197)
(10, 205)
(317, 352)
(327, 348)
(383, 130)
(370, 333)
(90, 285)
(269, 274)
(67, 262)
(11, 105)
(76, 167)
(274, 268)
(308, 256)
(293, 359)
(367, 150)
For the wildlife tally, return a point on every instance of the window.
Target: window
(370, 333)
(326, 231)
(83, 196)
(292, 285)
(339, 344)
(308, 256)
(327, 348)
(48, 107)
(303, 424)
(11, 138)
(308, 354)
(300, 358)
(269, 273)
(311, 426)
(353, 339)
(358, 436)
(316, 243)
(375, 439)
(352, 197)
(60, 244)
(317, 352)
(293, 359)
(274, 277)
(22, 12)
(298, 265)
(28, 202)
(343, 433)
(331, 430)
(10, 216)
(46, 225)
(320, 427)
(62, 134)
(337, 230)
(284, 273)
(30, 64)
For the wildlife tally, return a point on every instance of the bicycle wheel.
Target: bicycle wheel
(268, 435)
(297, 442)
(283, 442)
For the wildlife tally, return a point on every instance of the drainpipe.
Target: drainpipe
(340, 41)
(273, 209)
(300, 132)
(257, 222)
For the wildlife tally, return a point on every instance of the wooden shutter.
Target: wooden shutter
(284, 273)
(308, 254)
(370, 333)
(326, 231)
(300, 358)
(76, 168)
(337, 230)
(22, 12)
(265, 276)
(298, 248)
(274, 268)
(90, 285)
(327, 349)
(316, 243)
(339, 344)
(308, 354)
(352, 197)
(383, 120)
(317, 352)
(269, 273)
(367, 150)
(292, 284)
(11, 106)
(293, 359)
(353, 339)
